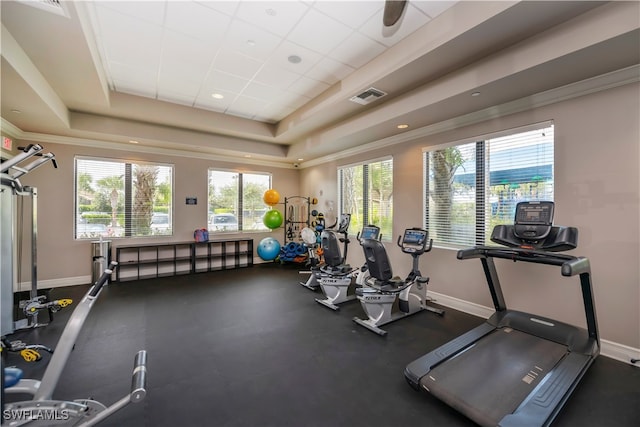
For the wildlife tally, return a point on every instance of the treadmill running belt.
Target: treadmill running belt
(492, 378)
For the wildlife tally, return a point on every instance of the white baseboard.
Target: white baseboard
(56, 283)
(610, 349)
(461, 305)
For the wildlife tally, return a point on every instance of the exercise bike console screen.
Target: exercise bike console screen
(369, 233)
(414, 239)
(533, 220)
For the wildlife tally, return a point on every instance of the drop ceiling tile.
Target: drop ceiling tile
(329, 71)
(280, 56)
(136, 87)
(308, 87)
(278, 17)
(128, 40)
(176, 81)
(251, 40)
(319, 32)
(196, 20)
(218, 81)
(227, 7)
(206, 101)
(292, 100)
(134, 75)
(412, 20)
(192, 55)
(273, 75)
(261, 91)
(433, 8)
(357, 50)
(244, 106)
(152, 12)
(175, 97)
(273, 113)
(295, 100)
(236, 64)
(351, 13)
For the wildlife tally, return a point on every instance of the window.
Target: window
(235, 200)
(366, 192)
(472, 187)
(115, 198)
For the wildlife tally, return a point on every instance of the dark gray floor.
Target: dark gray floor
(251, 347)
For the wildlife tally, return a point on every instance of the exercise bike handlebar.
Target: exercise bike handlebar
(427, 247)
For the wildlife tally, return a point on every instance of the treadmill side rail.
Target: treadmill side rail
(420, 367)
(546, 401)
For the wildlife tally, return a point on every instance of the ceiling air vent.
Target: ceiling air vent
(53, 6)
(368, 96)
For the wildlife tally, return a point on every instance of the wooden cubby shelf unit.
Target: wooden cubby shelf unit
(148, 261)
(222, 255)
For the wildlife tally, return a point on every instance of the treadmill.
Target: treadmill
(516, 369)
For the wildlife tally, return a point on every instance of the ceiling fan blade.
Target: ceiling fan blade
(393, 11)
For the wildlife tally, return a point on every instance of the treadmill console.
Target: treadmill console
(533, 220)
(414, 240)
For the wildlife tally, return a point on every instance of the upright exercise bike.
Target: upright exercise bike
(382, 289)
(42, 409)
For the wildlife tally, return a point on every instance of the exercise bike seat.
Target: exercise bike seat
(337, 270)
(391, 286)
(12, 376)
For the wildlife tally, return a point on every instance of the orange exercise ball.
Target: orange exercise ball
(271, 197)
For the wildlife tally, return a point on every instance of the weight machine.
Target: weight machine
(41, 409)
(11, 171)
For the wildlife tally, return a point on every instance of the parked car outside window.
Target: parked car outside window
(223, 222)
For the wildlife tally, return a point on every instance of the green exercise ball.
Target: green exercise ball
(272, 219)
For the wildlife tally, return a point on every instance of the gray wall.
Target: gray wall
(597, 189)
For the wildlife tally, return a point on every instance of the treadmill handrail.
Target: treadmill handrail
(570, 265)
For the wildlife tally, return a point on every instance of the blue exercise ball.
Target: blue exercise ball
(268, 249)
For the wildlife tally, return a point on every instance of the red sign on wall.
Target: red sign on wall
(6, 143)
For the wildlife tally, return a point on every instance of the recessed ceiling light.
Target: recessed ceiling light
(300, 159)
(16, 111)
(294, 59)
(248, 156)
(217, 95)
(403, 126)
(133, 141)
(475, 93)
(271, 12)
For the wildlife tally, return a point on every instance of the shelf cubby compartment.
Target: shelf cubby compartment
(171, 259)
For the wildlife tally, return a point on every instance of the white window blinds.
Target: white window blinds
(472, 187)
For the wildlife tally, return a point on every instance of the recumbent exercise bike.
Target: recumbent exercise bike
(335, 276)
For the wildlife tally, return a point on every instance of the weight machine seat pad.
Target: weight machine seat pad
(492, 378)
